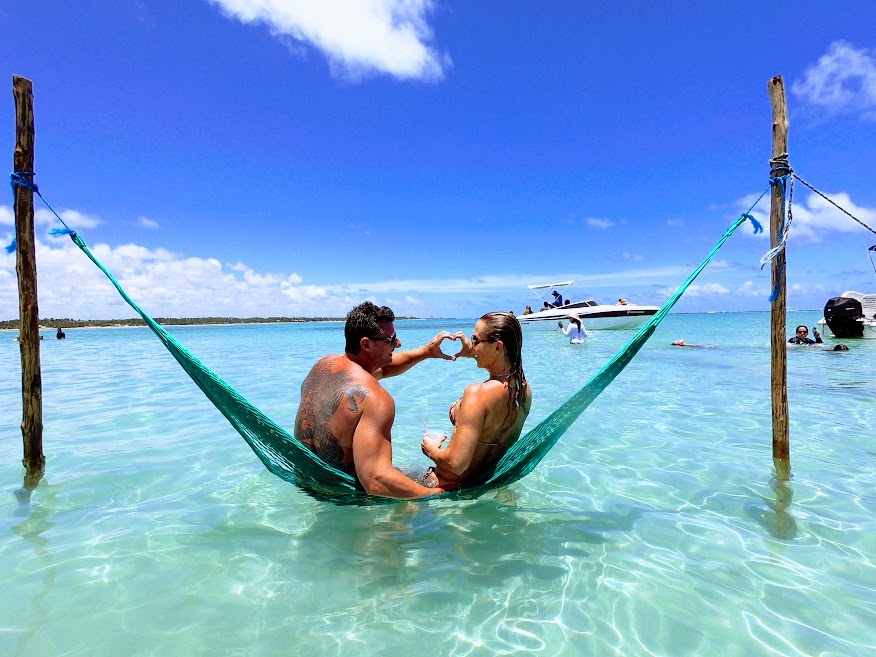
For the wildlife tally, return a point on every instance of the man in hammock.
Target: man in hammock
(346, 416)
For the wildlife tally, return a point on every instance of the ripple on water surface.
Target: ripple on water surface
(653, 527)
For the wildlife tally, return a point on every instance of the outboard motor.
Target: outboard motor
(843, 316)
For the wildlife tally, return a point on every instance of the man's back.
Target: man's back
(332, 396)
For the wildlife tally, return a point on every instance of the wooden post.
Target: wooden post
(778, 346)
(25, 267)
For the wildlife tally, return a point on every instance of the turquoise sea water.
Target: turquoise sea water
(654, 527)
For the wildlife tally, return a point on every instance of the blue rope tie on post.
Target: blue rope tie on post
(780, 172)
(18, 179)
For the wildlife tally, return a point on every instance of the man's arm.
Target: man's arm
(372, 452)
(402, 361)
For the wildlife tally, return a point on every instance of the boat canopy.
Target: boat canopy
(546, 285)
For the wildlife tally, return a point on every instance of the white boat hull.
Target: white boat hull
(868, 326)
(596, 318)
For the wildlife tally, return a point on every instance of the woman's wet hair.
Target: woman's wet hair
(841, 347)
(505, 327)
(364, 322)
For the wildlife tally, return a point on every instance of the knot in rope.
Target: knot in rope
(17, 179)
(780, 167)
(780, 173)
(20, 179)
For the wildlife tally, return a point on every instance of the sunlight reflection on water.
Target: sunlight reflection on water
(653, 527)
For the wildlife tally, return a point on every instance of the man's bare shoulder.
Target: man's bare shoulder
(338, 366)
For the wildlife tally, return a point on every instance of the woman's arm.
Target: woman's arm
(470, 416)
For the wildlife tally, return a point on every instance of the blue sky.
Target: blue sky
(282, 157)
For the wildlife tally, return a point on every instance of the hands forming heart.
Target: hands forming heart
(434, 347)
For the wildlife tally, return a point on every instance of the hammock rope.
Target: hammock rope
(283, 455)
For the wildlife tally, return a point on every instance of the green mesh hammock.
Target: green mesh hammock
(287, 458)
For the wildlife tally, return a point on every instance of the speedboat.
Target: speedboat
(594, 315)
(852, 315)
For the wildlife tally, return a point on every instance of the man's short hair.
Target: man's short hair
(802, 326)
(555, 293)
(364, 322)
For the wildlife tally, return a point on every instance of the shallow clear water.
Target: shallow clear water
(654, 526)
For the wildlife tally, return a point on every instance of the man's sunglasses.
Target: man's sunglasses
(390, 340)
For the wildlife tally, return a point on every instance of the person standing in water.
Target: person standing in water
(576, 331)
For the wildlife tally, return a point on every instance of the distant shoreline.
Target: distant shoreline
(51, 324)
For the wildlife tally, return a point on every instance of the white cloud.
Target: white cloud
(707, 290)
(749, 289)
(843, 81)
(602, 224)
(146, 222)
(357, 38)
(166, 283)
(161, 282)
(632, 257)
(814, 218)
(46, 221)
(488, 284)
(72, 218)
(675, 223)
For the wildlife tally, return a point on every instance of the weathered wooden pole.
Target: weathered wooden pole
(778, 346)
(25, 267)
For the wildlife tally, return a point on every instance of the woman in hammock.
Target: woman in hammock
(489, 416)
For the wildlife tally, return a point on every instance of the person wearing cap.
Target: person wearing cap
(576, 331)
(558, 299)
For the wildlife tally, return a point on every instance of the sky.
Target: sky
(295, 158)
